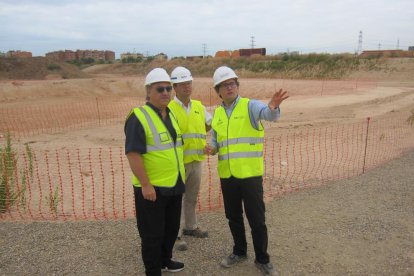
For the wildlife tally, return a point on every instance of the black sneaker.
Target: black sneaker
(266, 269)
(173, 266)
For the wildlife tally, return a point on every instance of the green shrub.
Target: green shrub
(11, 192)
(410, 119)
(53, 200)
(53, 66)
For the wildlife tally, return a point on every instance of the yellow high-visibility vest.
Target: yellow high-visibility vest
(240, 145)
(163, 159)
(193, 129)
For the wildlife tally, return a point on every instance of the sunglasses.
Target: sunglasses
(161, 89)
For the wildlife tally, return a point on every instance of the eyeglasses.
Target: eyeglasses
(161, 89)
(229, 85)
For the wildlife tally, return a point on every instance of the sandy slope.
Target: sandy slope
(310, 102)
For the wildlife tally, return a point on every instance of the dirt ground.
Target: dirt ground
(359, 226)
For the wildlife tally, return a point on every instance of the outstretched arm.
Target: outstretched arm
(271, 112)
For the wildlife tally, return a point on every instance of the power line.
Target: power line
(204, 49)
(359, 49)
(252, 45)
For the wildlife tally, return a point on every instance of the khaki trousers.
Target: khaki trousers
(193, 172)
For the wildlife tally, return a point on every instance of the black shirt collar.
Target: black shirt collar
(156, 109)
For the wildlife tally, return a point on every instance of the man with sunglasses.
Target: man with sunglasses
(154, 150)
(194, 122)
(238, 137)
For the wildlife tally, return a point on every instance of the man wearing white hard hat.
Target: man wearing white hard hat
(154, 149)
(237, 138)
(194, 122)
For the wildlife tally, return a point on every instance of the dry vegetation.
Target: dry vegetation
(37, 68)
(312, 66)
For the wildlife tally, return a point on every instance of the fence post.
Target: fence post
(99, 114)
(323, 84)
(210, 96)
(366, 145)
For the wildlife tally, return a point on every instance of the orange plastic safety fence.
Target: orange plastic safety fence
(50, 117)
(95, 183)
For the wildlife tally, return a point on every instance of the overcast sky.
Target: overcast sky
(187, 28)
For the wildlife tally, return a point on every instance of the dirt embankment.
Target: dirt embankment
(396, 70)
(384, 69)
(37, 68)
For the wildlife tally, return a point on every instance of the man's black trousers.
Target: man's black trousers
(158, 224)
(248, 192)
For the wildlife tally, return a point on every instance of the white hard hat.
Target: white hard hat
(157, 75)
(223, 73)
(181, 74)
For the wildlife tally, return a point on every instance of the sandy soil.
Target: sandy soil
(359, 226)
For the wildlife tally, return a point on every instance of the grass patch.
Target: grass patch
(13, 180)
(410, 119)
(53, 67)
(53, 200)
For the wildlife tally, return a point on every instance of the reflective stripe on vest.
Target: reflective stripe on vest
(157, 140)
(250, 154)
(163, 160)
(193, 129)
(193, 135)
(246, 140)
(240, 145)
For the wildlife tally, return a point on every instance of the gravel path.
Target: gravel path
(359, 226)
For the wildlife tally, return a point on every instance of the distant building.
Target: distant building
(223, 54)
(19, 54)
(161, 56)
(69, 55)
(93, 54)
(252, 51)
(410, 48)
(193, 57)
(132, 55)
(66, 55)
(227, 54)
(386, 53)
(109, 55)
(241, 53)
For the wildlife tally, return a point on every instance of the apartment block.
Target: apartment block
(19, 54)
(69, 55)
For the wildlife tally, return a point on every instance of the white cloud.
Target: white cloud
(180, 27)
